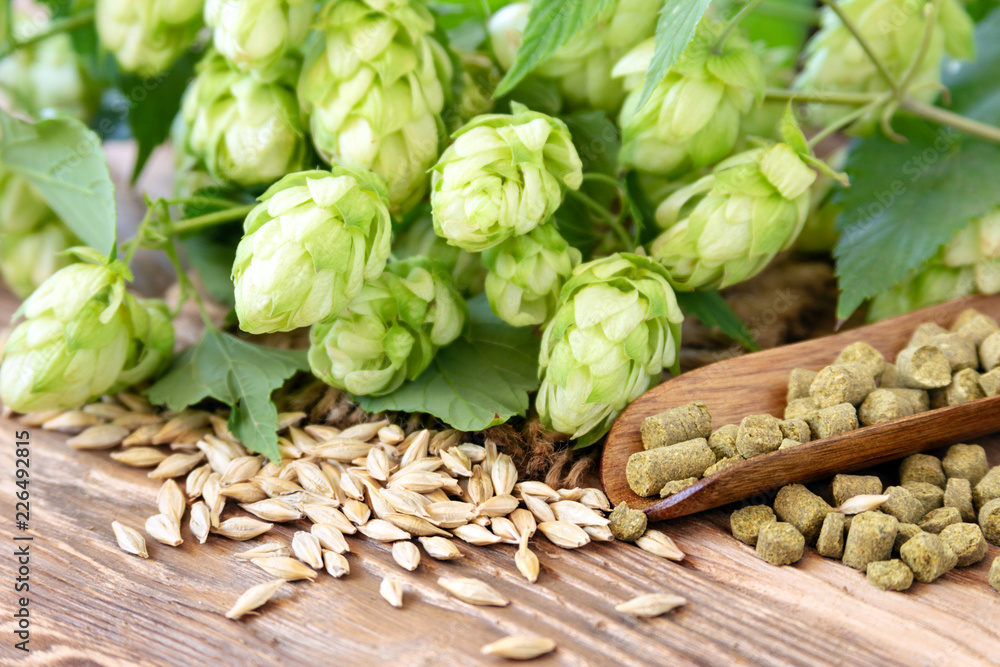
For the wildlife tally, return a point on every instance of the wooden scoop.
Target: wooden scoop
(757, 383)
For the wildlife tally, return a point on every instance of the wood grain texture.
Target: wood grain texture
(92, 604)
(757, 383)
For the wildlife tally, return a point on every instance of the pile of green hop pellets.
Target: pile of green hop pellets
(942, 514)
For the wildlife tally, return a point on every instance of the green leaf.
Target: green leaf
(65, 162)
(907, 200)
(674, 30)
(551, 23)
(713, 311)
(473, 383)
(155, 102)
(779, 23)
(241, 375)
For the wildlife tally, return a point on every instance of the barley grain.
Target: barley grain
(440, 548)
(254, 598)
(520, 647)
(242, 528)
(406, 555)
(284, 567)
(307, 548)
(129, 540)
(651, 604)
(473, 591)
(164, 529)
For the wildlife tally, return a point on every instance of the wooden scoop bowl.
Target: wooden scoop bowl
(757, 383)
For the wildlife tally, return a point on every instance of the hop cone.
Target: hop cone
(503, 176)
(245, 129)
(976, 247)
(617, 326)
(419, 239)
(836, 63)
(73, 343)
(45, 79)
(147, 36)
(526, 274)
(374, 83)
(582, 67)
(934, 284)
(692, 118)
(308, 248)
(255, 34)
(152, 345)
(32, 237)
(752, 206)
(391, 331)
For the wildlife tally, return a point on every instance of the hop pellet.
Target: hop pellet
(847, 486)
(927, 556)
(799, 381)
(989, 352)
(989, 521)
(994, 577)
(965, 387)
(903, 505)
(830, 542)
(627, 524)
(883, 405)
(958, 494)
(746, 522)
(967, 541)
(905, 532)
(965, 461)
(930, 495)
(863, 354)
(649, 470)
(889, 378)
(922, 468)
(974, 325)
(846, 383)
(870, 538)
(670, 488)
(758, 434)
(676, 425)
(832, 421)
(723, 441)
(890, 575)
(924, 333)
(800, 408)
(780, 543)
(919, 399)
(923, 367)
(797, 505)
(937, 520)
(796, 429)
(958, 350)
(788, 443)
(722, 464)
(988, 488)
(990, 382)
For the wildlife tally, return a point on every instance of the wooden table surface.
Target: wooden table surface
(92, 604)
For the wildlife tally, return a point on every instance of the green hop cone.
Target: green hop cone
(526, 274)
(503, 176)
(976, 247)
(836, 62)
(152, 345)
(374, 83)
(934, 284)
(73, 342)
(308, 248)
(582, 66)
(391, 331)
(245, 129)
(419, 239)
(27, 260)
(147, 36)
(46, 79)
(617, 327)
(693, 116)
(255, 34)
(751, 207)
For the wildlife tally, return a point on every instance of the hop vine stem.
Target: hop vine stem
(210, 219)
(66, 24)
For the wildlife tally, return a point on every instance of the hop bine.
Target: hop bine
(391, 331)
(373, 84)
(581, 68)
(503, 176)
(526, 274)
(751, 207)
(837, 63)
(255, 34)
(693, 116)
(308, 248)
(245, 128)
(617, 327)
(147, 36)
